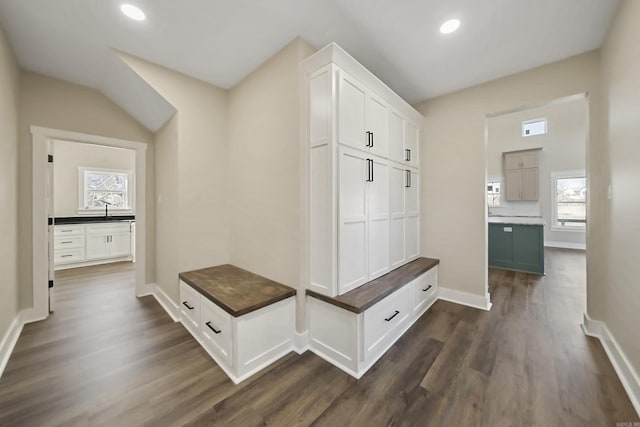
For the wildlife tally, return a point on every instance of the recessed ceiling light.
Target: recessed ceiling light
(133, 12)
(450, 26)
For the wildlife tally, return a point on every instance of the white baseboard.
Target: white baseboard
(465, 298)
(565, 245)
(301, 341)
(627, 374)
(167, 303)
(9, 341)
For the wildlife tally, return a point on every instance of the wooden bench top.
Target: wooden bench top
(235, 290)
(363, 297)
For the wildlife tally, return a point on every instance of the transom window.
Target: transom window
(570, 202)
(534, 127)
(100, 188)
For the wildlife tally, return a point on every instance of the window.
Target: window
(534, 127)
(570, 202)
(493, 193)
(101, 187)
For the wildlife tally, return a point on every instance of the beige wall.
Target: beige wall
(264, 169)
(197, 145)
(69, 156)
(453, 159)
(9, 86)
(563, 150)
(53, 103)
(614, 294)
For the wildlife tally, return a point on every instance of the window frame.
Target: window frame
(499, 180)
(83, 171)
(539, 119)
(554, 200)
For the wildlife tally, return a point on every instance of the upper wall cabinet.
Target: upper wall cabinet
(521, 175)
(363, 174)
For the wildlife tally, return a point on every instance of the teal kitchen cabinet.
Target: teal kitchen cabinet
(517, 247)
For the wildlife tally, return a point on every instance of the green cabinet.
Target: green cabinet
(517, 247)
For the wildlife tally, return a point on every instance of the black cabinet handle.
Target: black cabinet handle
(371, 160)
(408, 173)
(407, 153)
(371, 140)
(428, 287)
(186, 304)
(369, 135)
(369, 170)
(215, 331)
(388, 319)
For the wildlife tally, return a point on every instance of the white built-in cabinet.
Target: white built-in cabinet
(363, 175)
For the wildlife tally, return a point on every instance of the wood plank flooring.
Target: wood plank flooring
(107, 358)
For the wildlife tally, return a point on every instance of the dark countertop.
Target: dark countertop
(235, 290)
(363, 297)
(92, 219)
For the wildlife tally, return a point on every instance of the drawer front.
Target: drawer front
(108, 228)
(190, 307)
(68, 242)
(217, 330)
(384, 320)
(424, 289)
(68, 256)
(68, 230)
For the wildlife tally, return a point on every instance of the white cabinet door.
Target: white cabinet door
(352, 101)
(354, 173)
(412, 228)
(396, 137)
(96, 246)
(377, 118)
(411, 144)
(396, 195)
(378, 217)
(412, 219)
(120, 244)
(412, 203)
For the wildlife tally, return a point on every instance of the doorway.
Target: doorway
(43, 140)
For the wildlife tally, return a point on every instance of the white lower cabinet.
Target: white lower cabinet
(241, 345)
(355, 341)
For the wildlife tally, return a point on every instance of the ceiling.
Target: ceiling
(221, 41)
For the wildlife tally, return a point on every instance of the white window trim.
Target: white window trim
(499, 179)
(81, 191)
(554, 205)
(539, 119)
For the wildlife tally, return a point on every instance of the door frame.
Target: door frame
(40, 258)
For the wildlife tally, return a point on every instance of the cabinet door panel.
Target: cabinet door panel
(512, 161)
(411, 237)
(530, 184)
(377, 122)
(352, 240)
(351, 113)
(513, 184)
(412, 203)
(529, 160)
(396, 137)
(120, 245)
(96, 246)
(378, 216)
(411, 143)
(500, 244)
(397, 190)
(396, 242)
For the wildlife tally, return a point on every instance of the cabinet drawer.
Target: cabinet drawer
(384, 320)
(68, 256)
(424, 288)
(68, 230)
(108, 228)
(69, 242)
(216, 329)
(190, 307)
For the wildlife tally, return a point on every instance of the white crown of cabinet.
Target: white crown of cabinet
(363, 174)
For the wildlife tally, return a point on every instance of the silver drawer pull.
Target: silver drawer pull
(66, 231)
(215, 331)
(388, 319)
(65, 256)
(186, 304)
(428, 287)
(64, 243)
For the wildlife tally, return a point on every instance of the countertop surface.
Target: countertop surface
(363, 297)
(92, 219)
(517, 220)
(235, 290)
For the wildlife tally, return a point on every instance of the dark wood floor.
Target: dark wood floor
(106, 358)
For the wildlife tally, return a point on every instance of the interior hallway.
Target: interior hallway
(107, 358)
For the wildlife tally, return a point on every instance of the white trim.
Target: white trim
(165, 302)
(627, 374)
(301, 341)
(554, 176)
(465, 298)
(565, 245)
(9, 341)
(40, 257)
